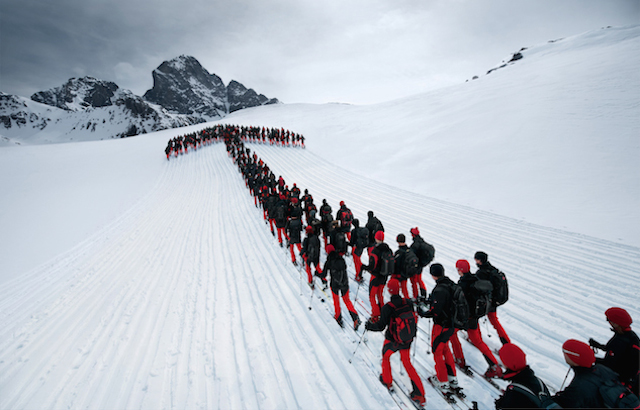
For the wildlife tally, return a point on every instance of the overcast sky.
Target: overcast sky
(355, 51)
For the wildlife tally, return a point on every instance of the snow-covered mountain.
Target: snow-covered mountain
(183, 86)
(184, 93)
(130, 281)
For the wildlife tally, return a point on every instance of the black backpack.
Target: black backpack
(425, 251)
(404, 324)
(387, 262)
(325, 213)
(346, 217)
(312, 251)
(281, 212)
(481, 291)
(340, 242)
(500, 292)
(362, 237)
(615, 395)
(411, 264)
(541, 400)
(459, 313)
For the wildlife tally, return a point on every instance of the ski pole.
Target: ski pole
(565, 378)
(358, 345)
(357, 290)
(312, 290)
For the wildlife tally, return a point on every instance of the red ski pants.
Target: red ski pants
(475, 337)
(445, 365)
(405, 356)
(376, 298)
(308, 269)
(293, 255)
(417, 283)
(347, 303)
(493, 318)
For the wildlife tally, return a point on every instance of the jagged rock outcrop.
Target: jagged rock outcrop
(183, 86)
(78, 94)
(240, 97)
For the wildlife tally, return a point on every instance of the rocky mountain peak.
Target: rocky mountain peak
(78, 94)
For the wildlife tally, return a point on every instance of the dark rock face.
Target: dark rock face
(78, 94)
(183, 86)
(239, 97)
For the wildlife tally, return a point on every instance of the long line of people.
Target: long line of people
(180, 145)
(452, 306)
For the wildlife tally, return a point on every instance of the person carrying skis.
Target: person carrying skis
(622, 350)
(345, 217)
(486, 271)
(467, 283)
(425, 253)
(358, 243)
(378, 259)
(526, 391)
(440, 306)
(311, 252)
(396, 315)
(589, 378)
(337, 269)
(399, 265)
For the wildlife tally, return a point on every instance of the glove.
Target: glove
(597, 345)
(368, 325)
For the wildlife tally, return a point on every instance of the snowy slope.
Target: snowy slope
(185, 300)
(133, 282)
(552, 139)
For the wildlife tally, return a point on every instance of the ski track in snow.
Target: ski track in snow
(187, 301)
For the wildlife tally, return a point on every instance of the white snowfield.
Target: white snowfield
(133, 282)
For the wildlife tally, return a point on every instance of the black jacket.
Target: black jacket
(374, 266)
(337, 268)
(440, 301)
(359, 240)
(582, 393)
(386, 314)
(623, 358)
(514, 398)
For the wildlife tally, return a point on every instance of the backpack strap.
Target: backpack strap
(528, 392)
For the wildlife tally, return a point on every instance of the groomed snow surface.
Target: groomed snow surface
(130, 281)
(187, 301)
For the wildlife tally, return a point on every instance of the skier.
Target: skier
(326, 218)
(466, 282)
(337, 238)
(526, 391)
(294, 229)
(622, 350)
(440, 304)
(358, 243)
(337, 268)
(485, 271)
(392, 314)
(378, 278)
(345, 217)
(399, 266)
(281, 218)
(583, 391)
(425, 253)
(311, 252)
(373, 225)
